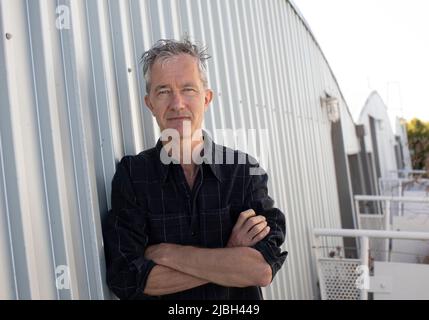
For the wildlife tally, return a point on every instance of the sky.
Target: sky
(380, 45)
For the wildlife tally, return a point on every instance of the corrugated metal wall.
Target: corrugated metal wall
(72, 106)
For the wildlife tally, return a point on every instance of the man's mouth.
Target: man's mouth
(179, 118)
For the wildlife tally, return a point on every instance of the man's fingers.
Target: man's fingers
(261, 235)
(251, 222)
(244, 216)
(248, 230)
(257, 229)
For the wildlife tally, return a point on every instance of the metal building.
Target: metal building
(380, 140)
(71, 105)
(402, 151)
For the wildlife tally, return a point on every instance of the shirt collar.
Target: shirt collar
(163, 168)
(211, 153)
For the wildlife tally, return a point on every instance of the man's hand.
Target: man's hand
(248, 230)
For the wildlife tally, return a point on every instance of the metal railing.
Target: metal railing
(382, 219)
(397, 186)
(407, 173)
(336, 278)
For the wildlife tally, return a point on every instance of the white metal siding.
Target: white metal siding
(386, 141)
(72, 106)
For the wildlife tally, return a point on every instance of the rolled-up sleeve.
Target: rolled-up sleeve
(257, 198)
(125, 239)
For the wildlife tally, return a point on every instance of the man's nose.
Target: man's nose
(177, 101)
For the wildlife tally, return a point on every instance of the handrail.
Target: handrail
(408, 171)
(407, 235)
(391, 198)
(403, 179)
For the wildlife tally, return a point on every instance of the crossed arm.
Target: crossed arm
(181, 268)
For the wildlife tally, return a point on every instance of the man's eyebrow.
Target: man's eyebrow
(162, 86)
(190, 84)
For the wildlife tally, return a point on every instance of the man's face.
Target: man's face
(177, 94)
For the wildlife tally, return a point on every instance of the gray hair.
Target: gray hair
(167, 48)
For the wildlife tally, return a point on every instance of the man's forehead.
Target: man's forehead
(173, 60)
(182, 68)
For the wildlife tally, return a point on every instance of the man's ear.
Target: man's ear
(148, 103)
(208, 98)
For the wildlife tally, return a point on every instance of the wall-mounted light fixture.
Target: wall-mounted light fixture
(332, 106)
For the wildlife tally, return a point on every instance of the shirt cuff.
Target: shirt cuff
(145, 267)
(272, 254)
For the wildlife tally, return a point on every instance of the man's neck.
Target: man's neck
(187, 156)
(189, 149)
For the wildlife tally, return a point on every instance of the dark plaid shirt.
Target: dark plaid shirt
(152, 203)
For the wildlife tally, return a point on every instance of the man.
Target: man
(189, 227)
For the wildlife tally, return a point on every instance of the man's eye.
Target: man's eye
(163, 92)
(189, 90)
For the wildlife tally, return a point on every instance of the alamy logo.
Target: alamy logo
(62, 277)
(248, 141)
(63, 19)
(362, 281)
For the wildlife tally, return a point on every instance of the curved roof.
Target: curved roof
(375, 107)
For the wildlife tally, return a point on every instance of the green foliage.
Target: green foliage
(418, 141)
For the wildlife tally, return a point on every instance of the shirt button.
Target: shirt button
(193, 233)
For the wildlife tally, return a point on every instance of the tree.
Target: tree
(418, 142)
